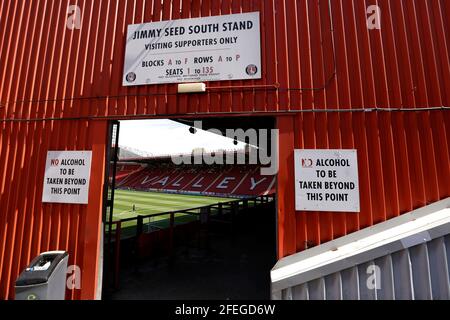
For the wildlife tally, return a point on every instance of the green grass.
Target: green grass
(147, 203)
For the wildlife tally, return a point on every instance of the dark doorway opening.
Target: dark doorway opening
(221, 249)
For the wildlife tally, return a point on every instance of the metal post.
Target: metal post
(171, 232)
(117, 255)
(220, 210)
(139, 226)
(234, 212)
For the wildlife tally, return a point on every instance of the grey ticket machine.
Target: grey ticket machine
(44, 278)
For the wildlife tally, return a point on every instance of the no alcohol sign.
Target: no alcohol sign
(67, 175)
(326, 180)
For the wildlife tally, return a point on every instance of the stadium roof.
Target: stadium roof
(169, 157)
(223, 124)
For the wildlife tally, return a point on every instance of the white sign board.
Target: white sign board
(67, 176)
(194, 50)
(326, 180)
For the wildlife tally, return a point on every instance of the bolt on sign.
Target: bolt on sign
(326, 180)
(67, 176)
(214, 48)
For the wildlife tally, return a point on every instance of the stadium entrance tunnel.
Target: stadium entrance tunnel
(189, 229)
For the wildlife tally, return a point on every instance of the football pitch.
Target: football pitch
(130, 204)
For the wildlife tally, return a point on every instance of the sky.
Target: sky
(165, 137)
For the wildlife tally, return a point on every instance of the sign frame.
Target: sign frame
(67, 177)
(164, 52)
(327, 180)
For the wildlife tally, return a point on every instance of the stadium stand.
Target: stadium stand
(125, 170)
(217, 180)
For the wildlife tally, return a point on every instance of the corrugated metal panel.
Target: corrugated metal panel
(29, 227)
(49, 71)
(403, 162)
(412, 265)
(406, 275)
(405, 64)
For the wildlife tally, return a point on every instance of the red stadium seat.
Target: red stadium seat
(227, 181)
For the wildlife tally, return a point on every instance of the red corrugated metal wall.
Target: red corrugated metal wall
(49, 71)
